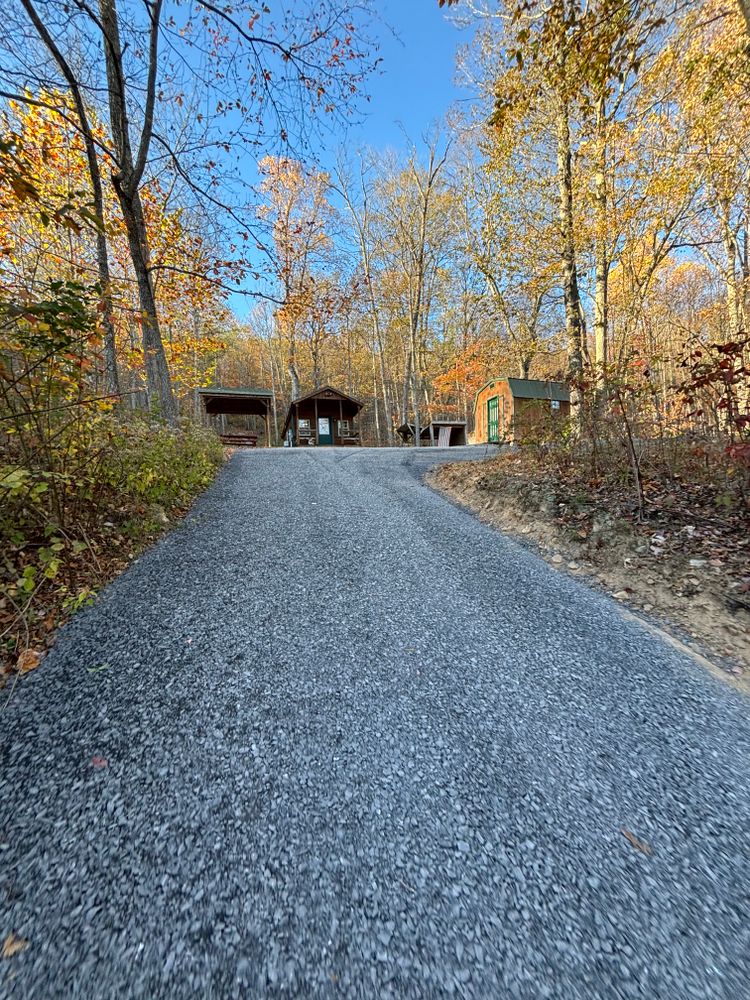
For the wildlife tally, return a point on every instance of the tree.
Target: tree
(357, 197)
(300, 216)
(414, 196)
(87, 130)
(264, 81)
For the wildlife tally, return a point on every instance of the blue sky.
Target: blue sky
(412, 89)
(415, 83)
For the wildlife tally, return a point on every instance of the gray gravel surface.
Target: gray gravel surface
(360, 745)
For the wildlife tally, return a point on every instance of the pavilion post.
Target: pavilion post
(317, 440)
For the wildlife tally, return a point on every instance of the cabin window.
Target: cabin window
(555, 403)
(344, 427)
(303, 428)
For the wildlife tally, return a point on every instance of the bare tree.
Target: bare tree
(191, 89)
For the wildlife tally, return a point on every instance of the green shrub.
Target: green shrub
(68, 525)
(158, 465)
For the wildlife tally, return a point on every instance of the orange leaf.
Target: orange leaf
(28, 660)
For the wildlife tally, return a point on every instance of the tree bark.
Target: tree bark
(601, 279)
(573, 323)
(102, 253)
(294, 378)
(126, 181)
(406, 389)
(745, 8)
(729, 242)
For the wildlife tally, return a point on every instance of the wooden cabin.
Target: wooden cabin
(445, 433)
(325, 416)
(518, 409)
(231, 412)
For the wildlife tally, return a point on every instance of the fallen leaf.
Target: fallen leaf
(99, 762)
(13, 945)
(28, 660)
(639, 845)
(98, 668)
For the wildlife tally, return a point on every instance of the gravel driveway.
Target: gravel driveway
(358, 744)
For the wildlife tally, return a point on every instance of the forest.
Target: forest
(169, 223)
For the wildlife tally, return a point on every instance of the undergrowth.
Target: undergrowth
(72, 522)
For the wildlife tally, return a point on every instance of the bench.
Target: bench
(240, 439)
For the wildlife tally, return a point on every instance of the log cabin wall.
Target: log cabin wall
(336, 410)
(325, 408)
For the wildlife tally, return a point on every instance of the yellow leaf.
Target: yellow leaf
(13, 945)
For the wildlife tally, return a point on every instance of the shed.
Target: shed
(325, 416)
(447, 433)
(245, 401)
(514, 409)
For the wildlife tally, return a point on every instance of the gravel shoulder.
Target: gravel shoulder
(335, 737)
(690, 581)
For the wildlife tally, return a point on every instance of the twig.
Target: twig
(13, 688)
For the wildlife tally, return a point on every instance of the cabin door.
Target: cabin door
(492, 430)
(325, 435)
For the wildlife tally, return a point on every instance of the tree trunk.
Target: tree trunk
(387, 410)
(730, 274)
(126, 182)
(601, 290)
(102, 254)
(573, 324)
(375, 400)
(406, 390)
(294, 378)
(415, 378)
(745, 8)
(158, 381)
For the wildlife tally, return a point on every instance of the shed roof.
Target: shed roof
(531, 388)
(407, 430)
(242, 400)
(239, 391)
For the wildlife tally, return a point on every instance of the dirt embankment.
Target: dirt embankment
(687, 576)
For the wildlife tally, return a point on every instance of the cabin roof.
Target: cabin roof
(328, 390)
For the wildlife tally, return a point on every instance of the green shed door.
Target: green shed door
(492, 434)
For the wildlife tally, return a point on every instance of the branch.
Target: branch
(148, 114)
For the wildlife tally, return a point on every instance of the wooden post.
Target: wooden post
(341, 417)
(268, 429)
(316, 421)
